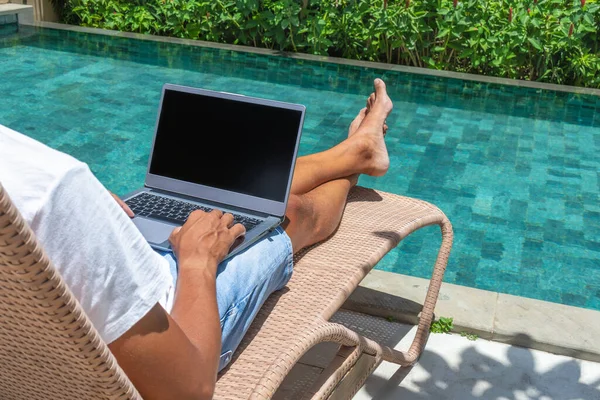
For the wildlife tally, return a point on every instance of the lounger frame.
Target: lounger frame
(50, 350)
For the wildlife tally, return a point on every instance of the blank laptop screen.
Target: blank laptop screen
(226, 144)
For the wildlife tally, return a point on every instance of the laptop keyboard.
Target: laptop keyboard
(175, 211)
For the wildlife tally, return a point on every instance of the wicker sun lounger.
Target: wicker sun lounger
(50, 350)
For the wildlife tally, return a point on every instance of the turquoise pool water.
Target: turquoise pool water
(516, 170)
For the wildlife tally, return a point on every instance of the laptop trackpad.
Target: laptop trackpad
(154, 231)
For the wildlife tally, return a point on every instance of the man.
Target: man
(173, 322)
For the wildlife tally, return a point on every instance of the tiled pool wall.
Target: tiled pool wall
(8, 24)
(515, 169)
(8, 19)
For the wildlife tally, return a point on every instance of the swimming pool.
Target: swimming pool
(516, 170)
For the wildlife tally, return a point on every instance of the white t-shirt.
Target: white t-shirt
(98, 251)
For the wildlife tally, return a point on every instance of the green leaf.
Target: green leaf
(466, 53)
(469, 336)
(535, 43)
(429, 61)
(442, 33)
(442, 325)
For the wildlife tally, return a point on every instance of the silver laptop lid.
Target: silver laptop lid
(225, 148)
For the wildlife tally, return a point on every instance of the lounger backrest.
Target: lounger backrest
(49, 349)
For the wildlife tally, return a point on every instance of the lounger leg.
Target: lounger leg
(355, 347)
(414, 352)
(346, 384)
(355, 378)
(336, 372)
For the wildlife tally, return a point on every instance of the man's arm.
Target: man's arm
(176, 356)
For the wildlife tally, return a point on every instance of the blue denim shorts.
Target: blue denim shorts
(244, 282)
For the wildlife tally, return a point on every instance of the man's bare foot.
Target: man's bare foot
(369, 137)
(370, 102)
(362, 114)
(357, 121)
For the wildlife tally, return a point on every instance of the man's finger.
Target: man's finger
(194, 216)
(238, 230)
(174, 234)
(216, 212)
(227, 219)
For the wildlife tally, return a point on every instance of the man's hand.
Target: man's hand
(205, 239)
(123, 205)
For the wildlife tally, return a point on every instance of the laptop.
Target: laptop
(216, 150)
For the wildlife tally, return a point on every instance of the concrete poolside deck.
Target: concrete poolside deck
(536, 324)
(453, 367)
(559, 357)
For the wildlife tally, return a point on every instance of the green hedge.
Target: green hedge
(546, 40)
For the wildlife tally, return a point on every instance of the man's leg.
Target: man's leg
(312, 217)
(245, 281)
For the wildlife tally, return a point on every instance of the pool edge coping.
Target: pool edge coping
(327, 59)
(536, 324)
